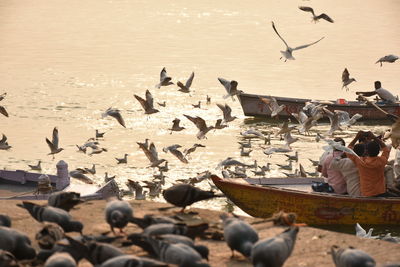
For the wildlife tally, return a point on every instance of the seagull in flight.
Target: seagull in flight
(346, 79)
(273, 105)
(53, 145)
(201, 125)
(288, 53)
(115, 113)
(388, 58)
(226, 111)
(185, 88)
(176, 127)
(148, 104)
(2, 109)
(164, 79)
(316, 18)
(151, 154)
(230, 87)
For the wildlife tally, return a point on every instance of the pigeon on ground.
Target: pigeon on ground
(165, 228)
(7, 259)
(5, 220)
(49, 235)
(148, 220)
(17, 243)
(131, 260)
(273, 252)
(239, 235)
(118, 213)
(351, 257)
(183, 195)
(52, 214)
(64, 200)
(60, 259)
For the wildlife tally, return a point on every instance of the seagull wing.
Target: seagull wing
(307, 9)
(325, 17)
(55, 138)
(149, 99)
(226, 84)
(163, 74)
(50, 144)
(146, 151)
(115, 114)
(179, 155)
(224, 110)
(181, 85)
(3, 111)
(189, 81)
(3, 140)
(142, 102)
(2, 96)
(153, 151)
(307, 45)
(273, 26)
(345, 75)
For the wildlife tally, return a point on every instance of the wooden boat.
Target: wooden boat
(23, 185)
(253, 106)
(260, 200)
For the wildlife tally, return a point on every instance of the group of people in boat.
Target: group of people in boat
(363, 173)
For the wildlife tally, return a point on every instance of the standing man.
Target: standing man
(384, 94)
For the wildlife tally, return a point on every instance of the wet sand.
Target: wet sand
(311, 249)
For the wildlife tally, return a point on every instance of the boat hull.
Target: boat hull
(253, 106)
(311, 208)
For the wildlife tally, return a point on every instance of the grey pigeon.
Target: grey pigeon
(179, 254)
(5, 220)
(183, 195)
(7, 259)
(118, 214)
(351, 257)
(52, 214)
(95, 252)
(17, 243)
(165, 228)
(64, 200)
(60, 259)
(174, 239)
(49, 235)
(148, 220)
(273, 252)
(239, 235)
(132, 261)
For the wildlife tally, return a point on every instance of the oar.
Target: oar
(390, 116)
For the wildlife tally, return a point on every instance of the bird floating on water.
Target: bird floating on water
(287, 54)
(316, 18)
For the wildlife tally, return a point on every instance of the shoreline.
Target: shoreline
(311, 248)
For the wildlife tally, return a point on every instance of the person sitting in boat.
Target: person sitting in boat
(349, 170)
(386, 96)
(334, 177)
(371, 167)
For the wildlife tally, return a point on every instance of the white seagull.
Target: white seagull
(230, 87)
(388, 58)
(346, 79)
(288, 52)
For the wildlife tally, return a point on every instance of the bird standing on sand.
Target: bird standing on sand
(175, 126)
(316, 18)
(53, 145)
(164, 79)
(148, 104)
(115, 113)
(186, 88)
(351, 257)
(230, 87)
(52, 214)
(99, 134)
(118, 213)
(201, 125)
(273, 252)
(182, 195)
(346, 80)
(287, 54)
(388, 58)
(239, 235)
(198, 105)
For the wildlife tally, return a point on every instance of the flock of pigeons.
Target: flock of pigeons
(167, 240)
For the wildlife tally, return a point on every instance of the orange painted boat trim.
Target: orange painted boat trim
(311, 207)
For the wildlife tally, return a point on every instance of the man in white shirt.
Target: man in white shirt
(384, 94)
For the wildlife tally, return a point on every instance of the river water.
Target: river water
(63, 63)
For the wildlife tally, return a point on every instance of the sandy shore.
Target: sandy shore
(311, 249)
